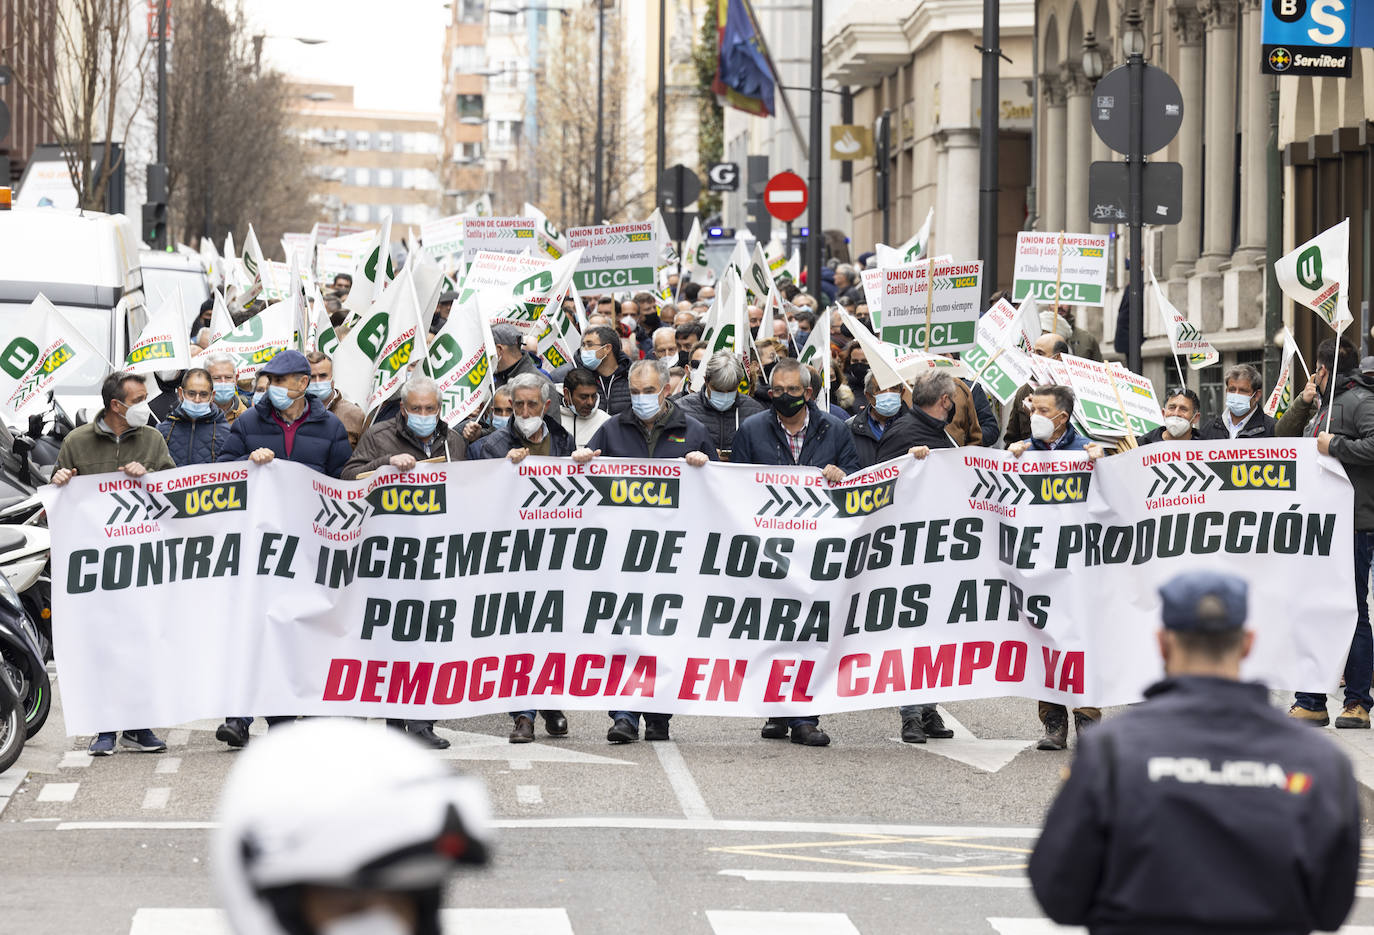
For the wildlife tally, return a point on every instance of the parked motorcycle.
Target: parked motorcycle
(12, 734)
(23, 658)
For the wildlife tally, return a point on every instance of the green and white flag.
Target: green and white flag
(909, 252)
(551, 239)
(694, 254)
(221, 322)
(1184, 337)
(816, 353)
(163, 343)
(481, 208)
(892, 364)
(999, 359)
(727, 326)
(458, 361)
(42, 350)
(1282, 396)
(371, 362)
(757, 277)
(1317, 275)
(258, 339)
(372, 272)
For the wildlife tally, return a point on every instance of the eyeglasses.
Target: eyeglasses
(195, 394)
(779, 391)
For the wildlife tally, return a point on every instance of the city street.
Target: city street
(717, 831)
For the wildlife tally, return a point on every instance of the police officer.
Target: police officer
(1204, 808)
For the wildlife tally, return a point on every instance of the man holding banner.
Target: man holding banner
(119, 439)
(1242, 417)
(1344, 430)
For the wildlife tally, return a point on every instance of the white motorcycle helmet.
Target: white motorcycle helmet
(342, 805)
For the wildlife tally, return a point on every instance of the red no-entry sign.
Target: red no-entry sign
(785, 196)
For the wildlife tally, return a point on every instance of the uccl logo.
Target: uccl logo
(424, 500)
(862, 501)
(211, 498)
(658, 492)
(1256, 475)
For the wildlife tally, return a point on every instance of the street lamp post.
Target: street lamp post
(1133, 44)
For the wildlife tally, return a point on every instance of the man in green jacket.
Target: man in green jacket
(120, 439)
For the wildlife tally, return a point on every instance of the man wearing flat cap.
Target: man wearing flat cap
(511, 361)
(1204, 808)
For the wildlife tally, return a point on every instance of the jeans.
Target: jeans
(633, 717)
(914, 710)
(1359, 664)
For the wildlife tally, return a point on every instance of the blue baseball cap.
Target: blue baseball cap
(1204, 601)
(284, 363)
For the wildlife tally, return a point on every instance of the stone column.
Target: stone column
(1254, 115)
(1077, 146)
(1052, 166)
(958, 148)
(1220, 19)
(1187, 23)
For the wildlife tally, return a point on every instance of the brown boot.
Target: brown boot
(523, 731)
(1355, 716)
(1315, 718)
(1056, 737)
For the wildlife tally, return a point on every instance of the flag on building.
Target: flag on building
(743, 79)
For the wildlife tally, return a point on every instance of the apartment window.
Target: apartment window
(385, 142)
(362, 140)
(471, 11)
(384, 178)
(505, 20)
(469, 58)
(469, 107)
(503, 132)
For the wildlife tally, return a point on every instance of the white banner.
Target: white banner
(1067, 268)
(480, 587)
(1110, 395)
(615, 256)
(443, 238)
(497, 235)
(1000, 358)
(953, 305)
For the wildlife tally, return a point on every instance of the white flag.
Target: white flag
(727, 326)
(694, 254)
(816, 354)
(211, 263)
(42, 348)
(257, 340)
(163, 344)
(1282, 396)
(892, 365)
(1317, 275)
(372, 272)
(909, 252)
(1184, 337)
(372, 361)
(481, 208)
(757, 279)
(458, 362)
(551, 240)
(221, 322)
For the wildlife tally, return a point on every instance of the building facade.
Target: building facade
(462, 106)
(369, 163)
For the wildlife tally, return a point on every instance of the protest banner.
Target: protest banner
(497, 235)
(1114, 400)
(942, 319)
(330, 261)
(656, 586)
(615, 256)
(1059, 268)
(520, 299)
(442, 239)
(999, 359)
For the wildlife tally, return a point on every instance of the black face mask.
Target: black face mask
(683, 358)
(787, 406)
(857, 371)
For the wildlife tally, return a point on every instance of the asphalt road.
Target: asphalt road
(717, 831)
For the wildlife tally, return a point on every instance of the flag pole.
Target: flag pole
(930, 297)
(1121, 404)
(1059, 273)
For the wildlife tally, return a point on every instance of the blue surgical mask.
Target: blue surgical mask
(646, 405)
(196, 409)
(887, 404)
(721, 401)
(590, 360)
(802, 336)
(320, 389)
(225, 392)
(280, 397)
(257, 397)
(500, 422)
(1238, 403)
(421, 426)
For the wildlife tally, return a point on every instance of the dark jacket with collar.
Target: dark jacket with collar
(904, 431)
(673, 435)
(384, 440)
(94, 449)
(1352, 422)
(613, 392)
(721, 425)
(195, 441)
(1129, 847)
(761, 440)
(525, 364)
(1259, 425)
(500, 442)
(321, 443)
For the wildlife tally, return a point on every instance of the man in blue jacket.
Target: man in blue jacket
(796, 432)
(653, 427)
(287, 423)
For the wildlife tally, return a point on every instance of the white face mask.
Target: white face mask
(1042, 428)
(1177, 426)
(376, 921)
(138, 415)
(528, 426)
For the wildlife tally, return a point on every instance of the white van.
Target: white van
(87, 264)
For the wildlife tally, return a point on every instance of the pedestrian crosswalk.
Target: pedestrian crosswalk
(555, 921)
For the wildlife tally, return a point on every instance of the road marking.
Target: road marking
(469, 746)
(1033, 927)
(157, 797)
(168, 764)
(58, 791)
(529, 795)
(180, 922)
(680, 778)
(7, 786)
(521, 764)
(468, 921)
(75, 759)
(986, 755)
(885, 878)
(780, 923)
(178, 737)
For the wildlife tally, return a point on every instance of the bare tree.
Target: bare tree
(566, 155)
(82, 66)
(232, 155)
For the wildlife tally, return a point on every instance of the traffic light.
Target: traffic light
(760, 222)
(155, 225)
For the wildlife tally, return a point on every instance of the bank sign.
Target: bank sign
(1309, 37)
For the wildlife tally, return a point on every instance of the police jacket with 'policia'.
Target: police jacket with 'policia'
(1239, 820)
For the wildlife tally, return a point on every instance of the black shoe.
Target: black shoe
(523, 731)
(425, 734)
(934, 725)
(1056, 732)
(809, 735)
(774, 729)
(622, 731)
(234, 732)
(555, 723)
(913, 731)
(1082, 722)
(655, 730)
